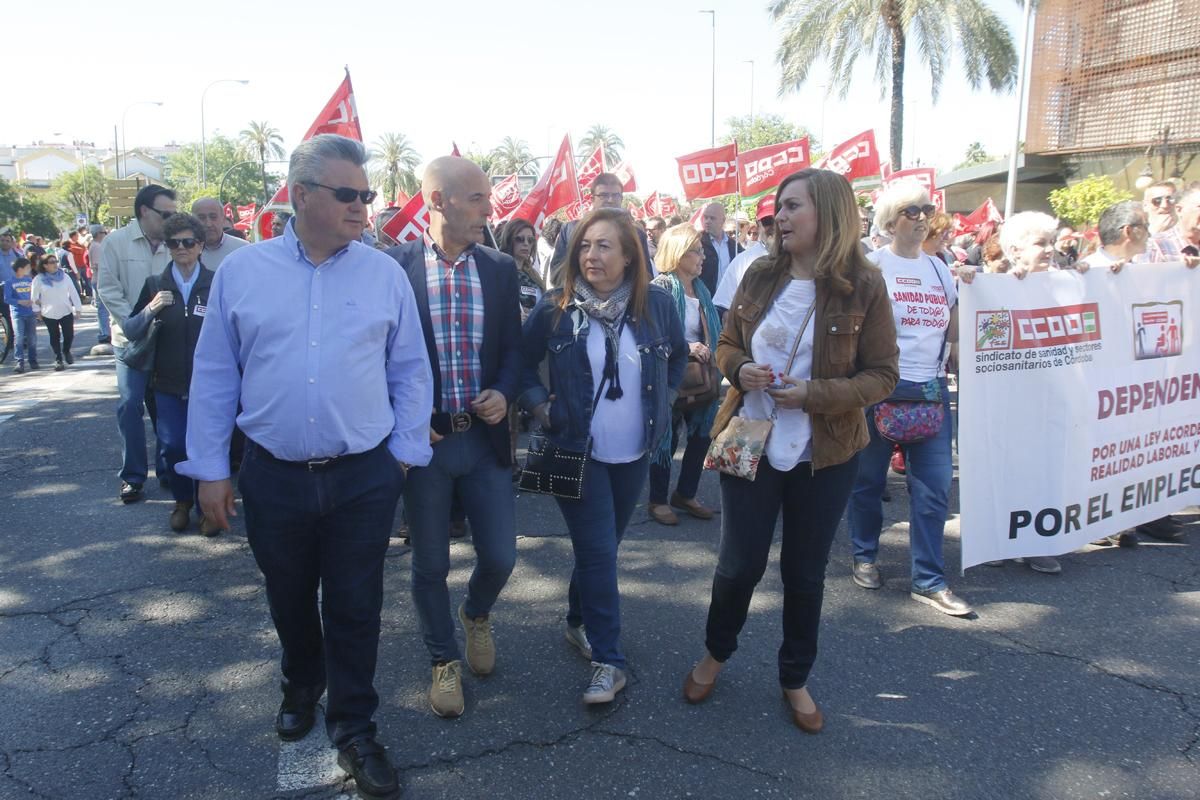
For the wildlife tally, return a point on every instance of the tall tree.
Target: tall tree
(263, 140)
(512, 155)
(24, 212)
(393, 163)
(765, 129)
(231, 173)
(82, 191)
(976, 154)
(839, 30)
(597, 134)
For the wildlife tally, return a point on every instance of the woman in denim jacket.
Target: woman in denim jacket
(616, 356)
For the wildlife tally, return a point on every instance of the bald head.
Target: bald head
(211, 214)
(458, 194)
(713, 220)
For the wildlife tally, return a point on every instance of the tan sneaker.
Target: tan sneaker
(446, 694)
(481, 649)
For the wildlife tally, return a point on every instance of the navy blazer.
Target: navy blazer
(500, 353)
(710, 272)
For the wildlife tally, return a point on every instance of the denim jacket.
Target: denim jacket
(664, 357)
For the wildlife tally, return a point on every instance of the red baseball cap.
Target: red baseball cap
(766, 207)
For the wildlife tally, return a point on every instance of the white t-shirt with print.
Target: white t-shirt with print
(922, 293)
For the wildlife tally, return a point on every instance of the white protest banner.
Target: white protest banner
(1079, 406)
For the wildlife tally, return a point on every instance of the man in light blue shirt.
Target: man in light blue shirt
(318, 338)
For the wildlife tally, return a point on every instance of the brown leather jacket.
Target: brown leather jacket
(854, 356)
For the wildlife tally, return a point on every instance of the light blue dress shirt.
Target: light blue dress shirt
(326, 359)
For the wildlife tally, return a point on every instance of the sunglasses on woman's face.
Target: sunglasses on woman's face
(345, 194)
(186, 244)
(524, 239)
(914, 212)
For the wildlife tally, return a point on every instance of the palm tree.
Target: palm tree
(597, 134)
(395, 159)
(510, 156)
(840, 30)
(264, 140)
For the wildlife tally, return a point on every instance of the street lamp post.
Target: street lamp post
(203, 145)
(713, 133)
(123, 156)
(750, 61)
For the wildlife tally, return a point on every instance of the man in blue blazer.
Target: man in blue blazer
(606, 193)
(467, 302)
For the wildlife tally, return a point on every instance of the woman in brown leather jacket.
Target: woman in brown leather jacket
(817, 285)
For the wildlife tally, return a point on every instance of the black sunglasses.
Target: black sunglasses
(914, 212)
(163, 214)
(186, 244)
(347, 195)
(524, 239)
(1158, 201)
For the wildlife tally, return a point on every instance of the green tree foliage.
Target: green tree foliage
(511, 155)
(224, 156)
(24, 212)
(975, 155)
(486, 161)
(765, 129)
(841, 30)
(1080, 204)
(265, 143)
(392, 163)
(82, 191)
(597, 134)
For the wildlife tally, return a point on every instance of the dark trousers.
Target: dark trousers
(6, 312)
(689, 470)
(62, 334)
(325, 530)
(171, 431)
(812, 505)
(464, 469)
(597, 523)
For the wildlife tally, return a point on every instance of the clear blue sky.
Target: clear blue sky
(467, 71)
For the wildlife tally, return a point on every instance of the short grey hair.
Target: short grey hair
(901, 194)
(1114, 219)
(1020, 229)
(309, 157)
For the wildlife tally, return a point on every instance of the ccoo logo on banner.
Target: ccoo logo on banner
(709, 173)
(764, 168)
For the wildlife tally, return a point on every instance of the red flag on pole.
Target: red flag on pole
(339, 116)
(922, 175)
(854, 158)
(592, 167)
(410, 222)
(228, 211)
(938, 198)
(625, 173)
(557, 188)
(709, 173)
(694, 220)
(667, 207)
(402, 198)
(972, 222)
(652, 205)
(764, 168)
(245, 212)
(506, 196)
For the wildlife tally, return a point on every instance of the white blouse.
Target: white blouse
(618, 426)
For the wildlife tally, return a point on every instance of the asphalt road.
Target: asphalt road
(135, 662)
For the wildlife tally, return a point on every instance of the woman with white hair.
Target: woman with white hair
(924, 306)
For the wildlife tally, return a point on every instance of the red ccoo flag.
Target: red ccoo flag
(409, 222)
(667, 207)
(339, 116)
(709, 173)
(972, 222)
(506, 196)
(764, 168)
(592, 167)
(922, 175)
(854, 158)
(652, 205)
(625, 173)
(694, 221)
(557, 188)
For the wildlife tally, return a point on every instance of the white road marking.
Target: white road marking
(310, 762)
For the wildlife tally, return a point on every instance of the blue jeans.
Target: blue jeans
(597, 523)
(172, 436)
(102, 321)
(25, 338)
(133, 397)
(464, 465)
(929, 471)
(325, 530)
(812, 505)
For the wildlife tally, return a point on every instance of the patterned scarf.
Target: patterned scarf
(609, 313)
(53, 277)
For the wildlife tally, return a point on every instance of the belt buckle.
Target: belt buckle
(317, 463)
(460, 422)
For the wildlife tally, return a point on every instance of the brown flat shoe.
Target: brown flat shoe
(695, 692)
(692, 506)
(663, 515)
(809, 723)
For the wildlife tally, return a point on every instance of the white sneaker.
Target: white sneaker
(577, 637)
(606, 681)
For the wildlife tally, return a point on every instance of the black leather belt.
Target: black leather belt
(444, 423)
(314, 464)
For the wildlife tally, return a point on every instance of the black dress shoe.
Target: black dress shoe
(297, 712)
(367, 762)
(131, 492)
(1167, 529)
